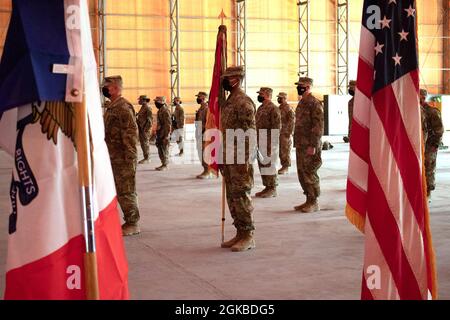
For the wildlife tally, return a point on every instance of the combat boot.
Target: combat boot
(228, 244)
(206, 175)
(246, 242)
(346, 139)
(300, 207)
(144, 161)
(283, 170)
(312, 205)
(130, 229)
(269, 193)
(162, 168)
(260, 194)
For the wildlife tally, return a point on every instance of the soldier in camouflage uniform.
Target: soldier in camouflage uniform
(433, 131)
(121, 136)
(145, 123)
(268, 118)
(287, 130)
(163, 132)
(238, 113)
(309, 127)
(200, 120)
(351, 91)
(178, 124)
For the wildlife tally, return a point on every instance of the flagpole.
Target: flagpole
(84, 175)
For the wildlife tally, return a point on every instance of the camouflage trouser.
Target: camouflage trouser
(239, 184)
(178, 137)
(125, 181)
(307, 168)
(430, 168)
(163, 151)
(201, 145)
(268, 174)
(285, 150)
(144, 139)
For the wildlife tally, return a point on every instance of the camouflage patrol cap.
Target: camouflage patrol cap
(114, 80)
(160, 99)
(144, 97)
(282, 95)
(265, 90)
(305, 80)
(202, 94)
(234, 71)
(423, 92)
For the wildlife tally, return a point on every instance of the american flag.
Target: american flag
(386, 197)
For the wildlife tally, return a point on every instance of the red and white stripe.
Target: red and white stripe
(385, 193)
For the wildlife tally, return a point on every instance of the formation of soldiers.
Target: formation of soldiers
(302, 129)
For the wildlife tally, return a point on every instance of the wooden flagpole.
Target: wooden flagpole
(85, 179)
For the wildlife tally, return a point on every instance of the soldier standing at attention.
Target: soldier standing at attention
(121, 135)
(433, 131)
(163, 132)
(351, 91)
(200, 123)
(287, 129)
(309, 126)
(178, 124)
(237, 113)
(267, 119)
(145, 123)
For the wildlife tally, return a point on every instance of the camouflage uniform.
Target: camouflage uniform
(200, 119)
(163, 131)
(287, 129)
(145, 123)
(121, 135)
(268, 118)
(433, 131)
(178, 124)
(309, 127)
(239, 113)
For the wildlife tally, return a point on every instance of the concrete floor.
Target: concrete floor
(318, 256)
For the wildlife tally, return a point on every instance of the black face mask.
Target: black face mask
(159, 105)
(280, 101)
(301, 90)
(351, 92)
(199, 101)
(226, 85)
(261, 99)
(106, 93)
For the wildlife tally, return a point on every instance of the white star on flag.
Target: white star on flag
(403, 35)
(379, 48)
(397, 59)
(410, 11)
(385, 22)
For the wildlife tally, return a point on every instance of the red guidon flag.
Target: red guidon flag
(216, 99)
(386, 193)
(48, 51)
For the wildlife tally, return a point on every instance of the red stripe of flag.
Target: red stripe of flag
(388, 236)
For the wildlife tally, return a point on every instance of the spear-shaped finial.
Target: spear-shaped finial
(222, 16)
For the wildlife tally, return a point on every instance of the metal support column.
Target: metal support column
(303, 32)
(241, 37)
(174, 50)
(342, 47)
(446, 75)
(101, 40)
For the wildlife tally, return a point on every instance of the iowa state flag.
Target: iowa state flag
(48, 54)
